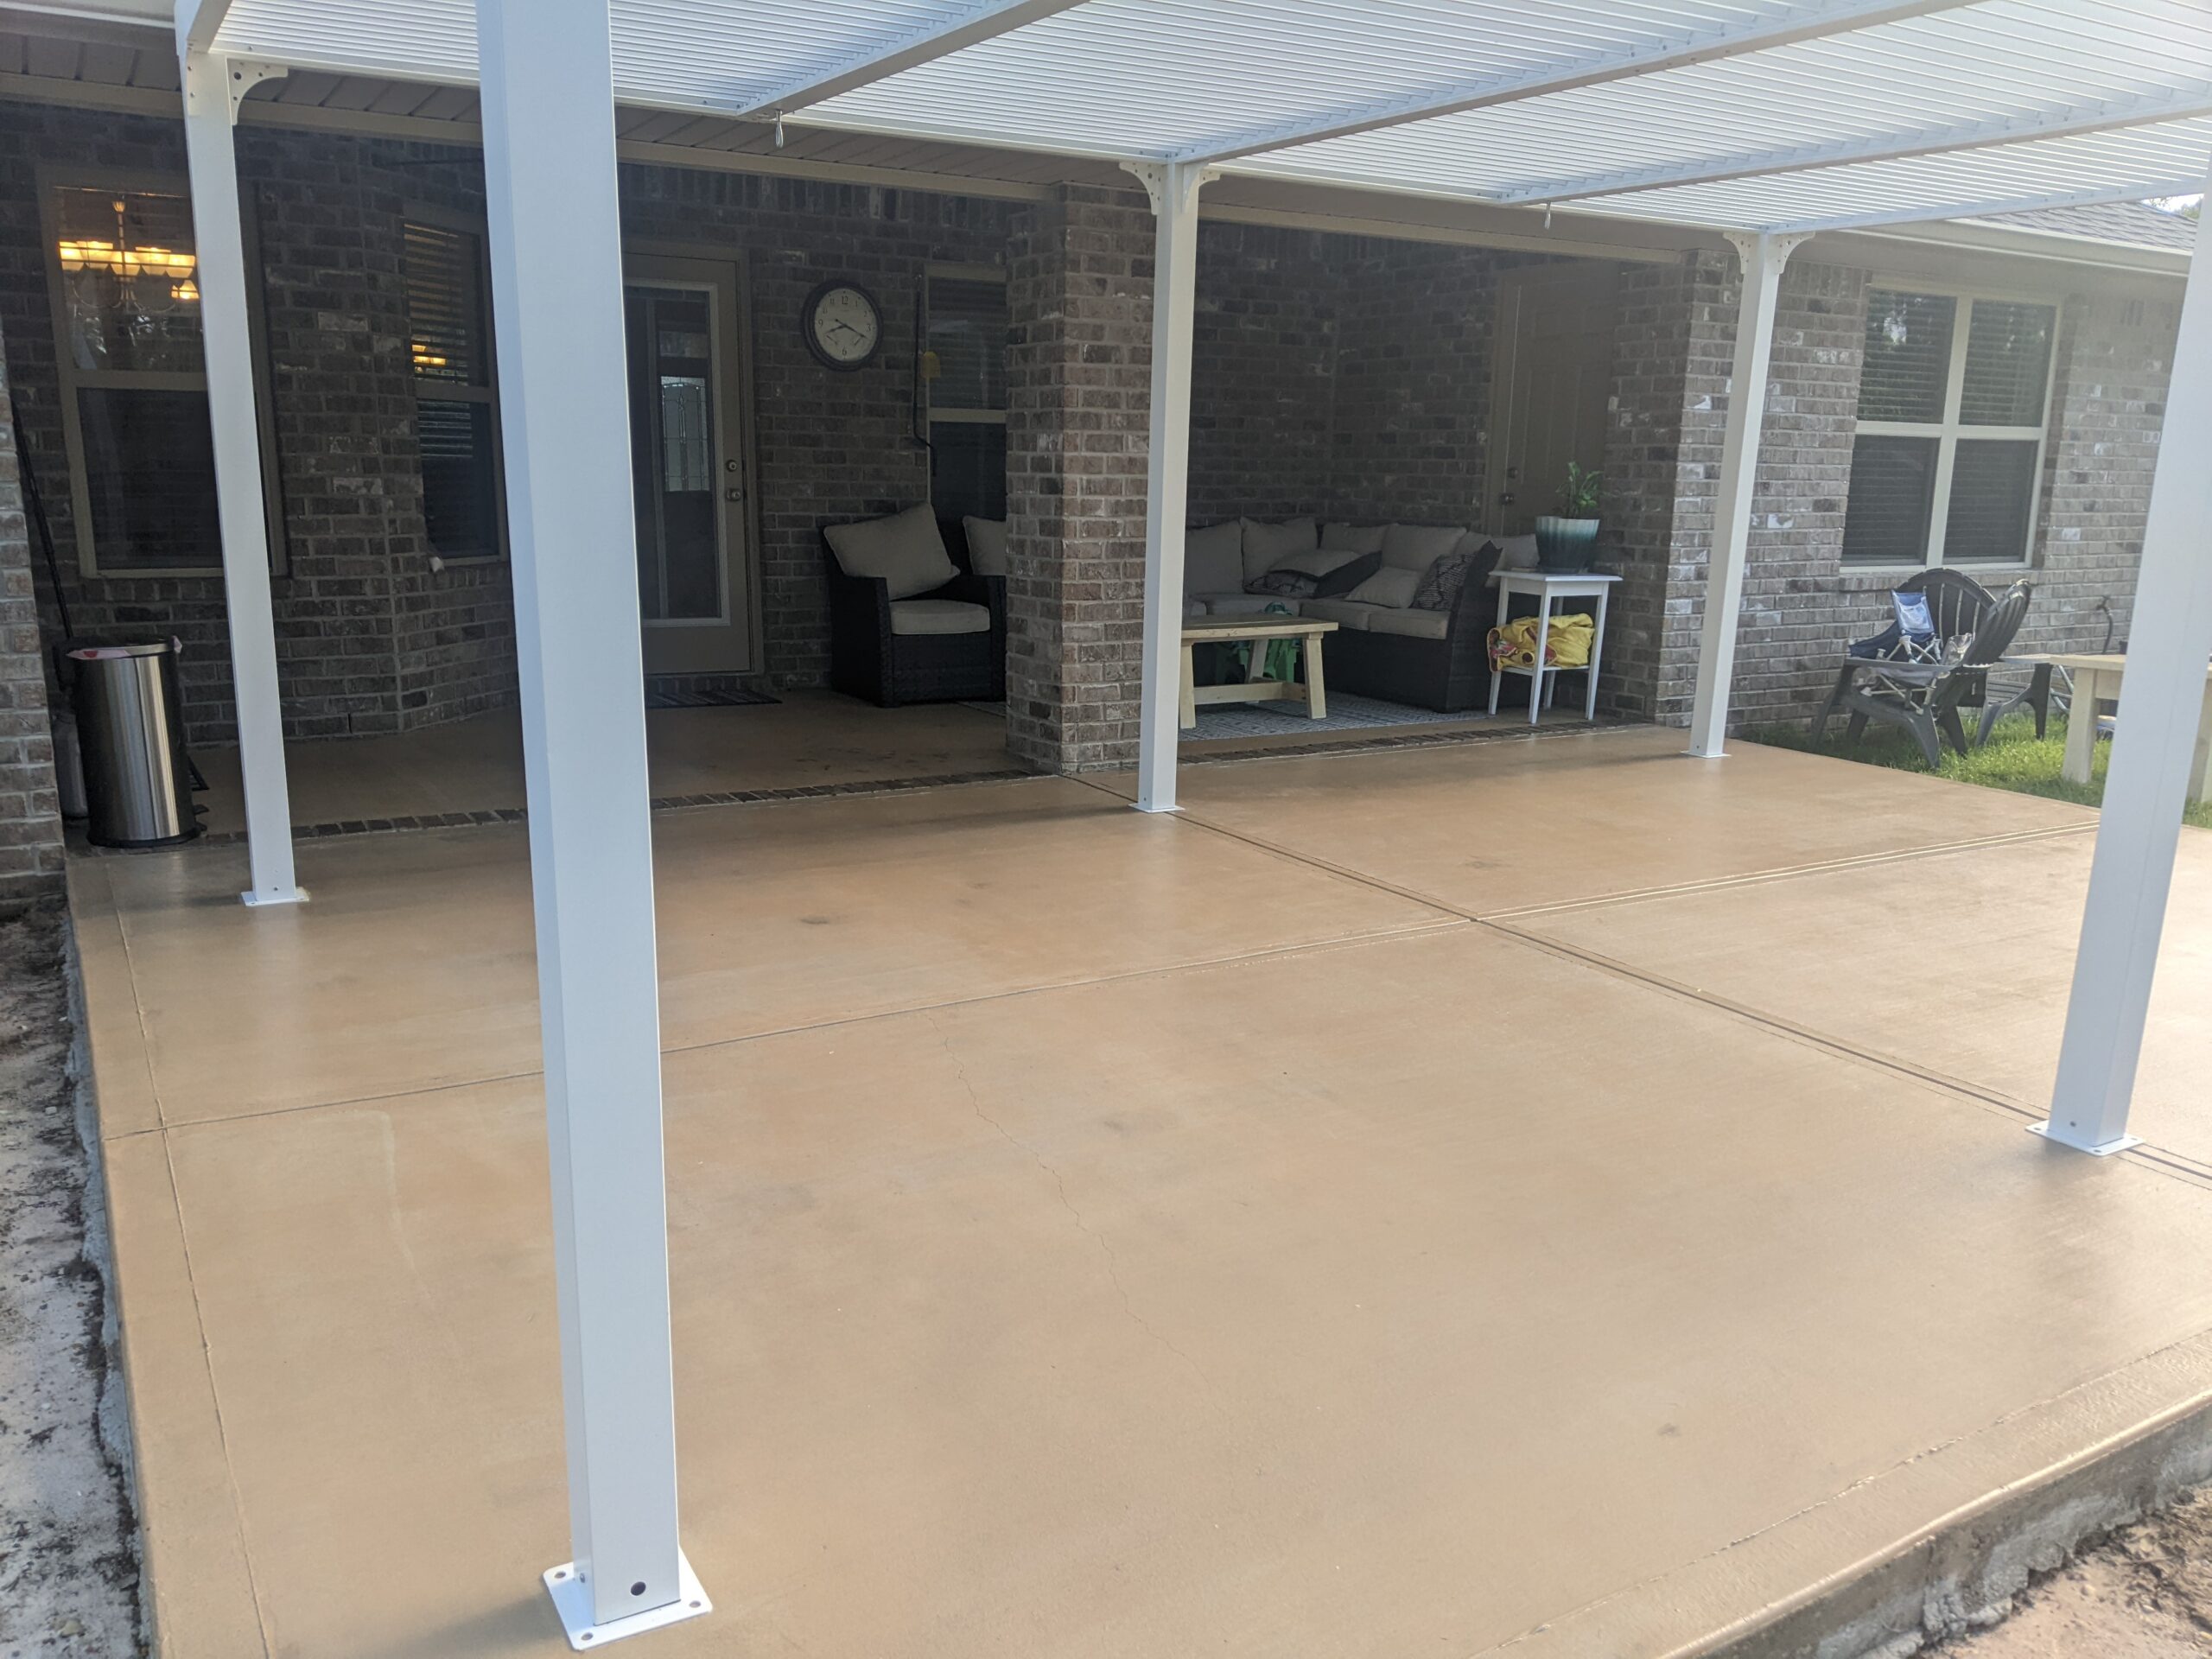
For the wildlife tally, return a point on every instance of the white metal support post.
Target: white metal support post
(1173, 186)
(212, 85)
(1763, 255)
(547, 90)
(2161, 703)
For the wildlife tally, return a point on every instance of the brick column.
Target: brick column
(1673, 337)
(1675, 334)
(30, 818)
(1079, 367)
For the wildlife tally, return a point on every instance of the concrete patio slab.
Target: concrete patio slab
(1100, 1235)
(1316, 1342)
(412, 967)
(1579, 816)
(1953, 962)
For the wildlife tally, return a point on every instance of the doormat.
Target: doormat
(674, 691)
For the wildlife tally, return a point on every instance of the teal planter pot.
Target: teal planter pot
(1565, 546)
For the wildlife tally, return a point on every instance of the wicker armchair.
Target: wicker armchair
(869, 659)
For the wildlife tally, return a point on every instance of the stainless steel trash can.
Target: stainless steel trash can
(138, 783)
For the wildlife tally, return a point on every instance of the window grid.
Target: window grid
(1951, 429)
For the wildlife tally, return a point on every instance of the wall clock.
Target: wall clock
(843, 325)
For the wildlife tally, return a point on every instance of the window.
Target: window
(1953, 401)
(456, 410)
(133, 385)
(965, 336)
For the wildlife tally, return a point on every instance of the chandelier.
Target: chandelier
(128, 263)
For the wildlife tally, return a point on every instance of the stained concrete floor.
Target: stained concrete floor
(1279, 1229)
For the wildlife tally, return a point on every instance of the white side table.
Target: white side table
(1546, 587)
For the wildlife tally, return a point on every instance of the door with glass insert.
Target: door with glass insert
(688, 466)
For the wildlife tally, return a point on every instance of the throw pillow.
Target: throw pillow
(1267, 546)
(1357, 538)
(1284, 584)
(987, 554)
(1347, 575)
(1315, 561)
(905, 550)
(1213, 559)
(1415, 547)
(1387, 586)
(1440, 584)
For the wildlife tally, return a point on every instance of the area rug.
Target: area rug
(675, 692)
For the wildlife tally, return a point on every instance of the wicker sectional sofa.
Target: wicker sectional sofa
(1396, 638)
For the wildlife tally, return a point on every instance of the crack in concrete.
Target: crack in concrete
(1060, 1187)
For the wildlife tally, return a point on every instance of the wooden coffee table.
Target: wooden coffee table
(1254, 687)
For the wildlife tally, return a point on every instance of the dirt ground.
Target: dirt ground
(2146, 1592)
(68, 1548)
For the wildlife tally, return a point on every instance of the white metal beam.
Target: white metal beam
(198, 21)
(2101, 118)
(1763, 256)
(2162, 703)
(241, 502)
(986, 21)
(556, 283)
(1702, 46)
(1991, 208)
(1174, 189)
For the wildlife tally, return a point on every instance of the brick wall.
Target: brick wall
(31, 819)
(1414, 383)
(1674, 340)
(2115, 357)
(828, 445)
(372, 637)
(1079, 377)
(1264, 371)
(1346, 377)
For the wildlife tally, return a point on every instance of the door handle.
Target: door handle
(733, 494)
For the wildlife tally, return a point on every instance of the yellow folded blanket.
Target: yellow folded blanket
(1566, 644)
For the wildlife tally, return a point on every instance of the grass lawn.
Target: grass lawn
(2015, 759)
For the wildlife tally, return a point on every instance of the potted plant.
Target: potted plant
(1566, 540)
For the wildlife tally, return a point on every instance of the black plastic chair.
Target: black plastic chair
(1923, 689)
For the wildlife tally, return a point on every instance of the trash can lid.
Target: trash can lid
(109, 653)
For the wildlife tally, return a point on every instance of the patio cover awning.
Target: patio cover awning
(1734, 114)
(1765, 120)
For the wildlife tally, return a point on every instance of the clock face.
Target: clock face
(843, 327)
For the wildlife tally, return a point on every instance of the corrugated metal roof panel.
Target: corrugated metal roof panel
(1753, 115)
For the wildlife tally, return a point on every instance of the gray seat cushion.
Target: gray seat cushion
(905, 550)
(939, 616)
(1415, 625)
(1341, 611)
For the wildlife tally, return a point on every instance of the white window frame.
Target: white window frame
(461, 224)
(70, 378)
(1948, 432)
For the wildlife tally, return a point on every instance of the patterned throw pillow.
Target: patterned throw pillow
(1347, 575)
(1442, 583)
(1287, 584)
